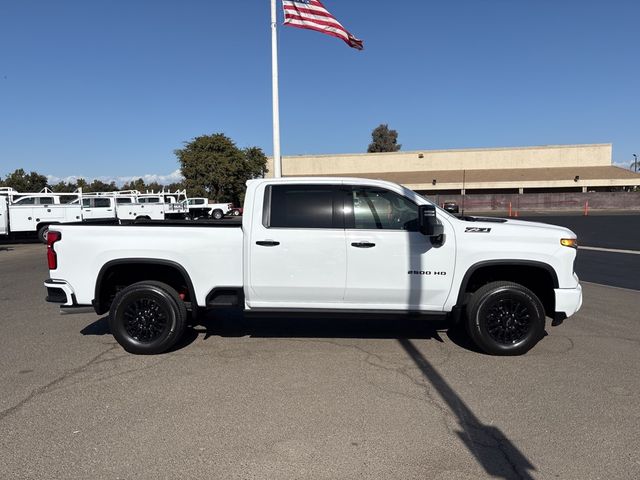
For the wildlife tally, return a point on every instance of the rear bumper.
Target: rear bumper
(568, 300)
(59, 291)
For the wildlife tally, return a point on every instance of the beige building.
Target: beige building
(512, 170)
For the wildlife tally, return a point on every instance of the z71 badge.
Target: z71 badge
(477, 230)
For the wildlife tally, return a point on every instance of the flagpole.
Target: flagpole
(277, 160)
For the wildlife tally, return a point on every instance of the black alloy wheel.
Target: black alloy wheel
(505, 318)
(147, 317)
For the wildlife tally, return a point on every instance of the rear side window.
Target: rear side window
(46, 200)
(25, 201)
(303, 206)
(123, 200)
(101, 202)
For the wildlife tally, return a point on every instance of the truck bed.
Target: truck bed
(210, 252)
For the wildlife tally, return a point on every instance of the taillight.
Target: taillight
(52, 258)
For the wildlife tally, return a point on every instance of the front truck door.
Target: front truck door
(296, 252)
(4, 216)
(390, 264)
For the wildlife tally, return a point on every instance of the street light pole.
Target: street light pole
(635, 162)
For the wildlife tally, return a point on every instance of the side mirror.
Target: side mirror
(427, 222)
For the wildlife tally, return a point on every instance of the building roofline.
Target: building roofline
(481, 149)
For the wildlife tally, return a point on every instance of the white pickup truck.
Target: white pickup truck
(199, 207)
(321, 245)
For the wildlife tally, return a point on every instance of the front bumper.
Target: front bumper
(568, 300)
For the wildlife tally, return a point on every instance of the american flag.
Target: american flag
(311, 14)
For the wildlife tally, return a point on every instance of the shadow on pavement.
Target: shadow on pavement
(231, 323)
(499, 457)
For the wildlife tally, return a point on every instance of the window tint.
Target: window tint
(302, 206)
(86, 202)
(380, 209)
(123, 200)
(25, 201)
(101, 202)
(46, 200)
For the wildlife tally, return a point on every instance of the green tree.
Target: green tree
(135, 185)
(214, 167)
(64, 187)
(383, 140)
(25, 182)
(100, 186)
(175, 186)
(154, 187)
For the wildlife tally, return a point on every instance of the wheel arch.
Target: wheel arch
(532, 274)
(102, 300)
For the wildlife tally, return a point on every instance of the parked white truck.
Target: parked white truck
(199, 207)
(155, 206)
(321, 245)
(25, 213)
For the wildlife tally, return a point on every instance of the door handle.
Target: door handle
(267, 243)
(363, 244)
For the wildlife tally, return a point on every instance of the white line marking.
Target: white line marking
(612, 250)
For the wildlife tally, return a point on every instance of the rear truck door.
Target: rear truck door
(4, 216)
(296, 253)
(98, 208)
(21, 217)
(47, 210)
(390, 264)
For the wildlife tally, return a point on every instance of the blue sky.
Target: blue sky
(111, 88)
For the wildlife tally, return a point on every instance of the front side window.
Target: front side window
(302, 206)
(25, 201)
(380, 209)
(46, 200)
(86, 202)
(101, 203)
(123, 200)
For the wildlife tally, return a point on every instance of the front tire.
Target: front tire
(147, 318)
(505, 318)
(217, 214)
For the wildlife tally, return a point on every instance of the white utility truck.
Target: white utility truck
(321, 245)
(25, 213)
(155, 206)
(107, 205)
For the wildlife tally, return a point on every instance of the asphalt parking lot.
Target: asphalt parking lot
(326, 398)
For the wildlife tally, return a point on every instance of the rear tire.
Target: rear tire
(42, 233)
(505, 318)
(147, 317)
(217, 214)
